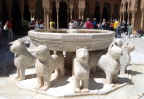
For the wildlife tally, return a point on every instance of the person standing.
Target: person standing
(94, 23)
(39, 24)
(129, 27)
(88, 24)
(52, 24)
(0, 32)
(80, 24)
(71, 24)
(31, 24)
(9, 25)
(104, 24)
(115, 24)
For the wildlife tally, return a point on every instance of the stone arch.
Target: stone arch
(106, 11)
(39, 12)
(63, 14)
(87, 10)
(97, 11)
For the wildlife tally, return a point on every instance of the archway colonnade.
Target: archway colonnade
(133, 11)
(78, 9)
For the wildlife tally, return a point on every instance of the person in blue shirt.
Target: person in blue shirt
(94, 23)
(139, 33)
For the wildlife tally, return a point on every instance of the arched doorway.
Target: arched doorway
(106, 12)
(97, 12)
(63, 15)
(115, 14)
(4, 11)
(87, 11)
(39, 12)
(16, 14)
(26, 11)
(126, 14)
(54, 14)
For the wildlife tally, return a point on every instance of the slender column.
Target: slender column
(120, 17)
(71, 13)
(68, 16)
(142, 18)
(22, 15)
(57, 19)
(82, 14)
(133, 19)
(45, 20)
(100, 17)
(51, 15)
(48, 21)
(128, 17)
(111, 15)
(79, 14)
(123, 16)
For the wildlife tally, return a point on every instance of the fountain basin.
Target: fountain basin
(68, 40)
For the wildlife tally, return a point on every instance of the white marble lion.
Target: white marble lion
(45, 65)
(23, 58)
(80, 71)
(125, 59)
(110, 64)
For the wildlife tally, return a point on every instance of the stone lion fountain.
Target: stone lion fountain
(83, 51)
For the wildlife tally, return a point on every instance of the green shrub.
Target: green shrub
(25, 27)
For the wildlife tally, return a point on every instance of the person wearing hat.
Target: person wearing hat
(31, 24)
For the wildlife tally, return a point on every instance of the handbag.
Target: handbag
(5, 27)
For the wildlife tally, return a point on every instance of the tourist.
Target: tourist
(129, 28)
(75, 24)
(115, 24)
(111, 27)
(104, 24)
(94, 22)
(9, 25)
(31, 24)
(118, 31)
(123, 25)
(139, 33)
(39, 24)
(80, 24)
(52, 24)
(0, 33)
(71, 24)
(88, 24)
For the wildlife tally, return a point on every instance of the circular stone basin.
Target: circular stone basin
(70, 39)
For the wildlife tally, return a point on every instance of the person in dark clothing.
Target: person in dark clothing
(94, 23)
(31, 24)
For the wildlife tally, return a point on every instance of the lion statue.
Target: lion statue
(45, 65)
(80, 71)
(23, 58)
(110, 64)
(125, 58)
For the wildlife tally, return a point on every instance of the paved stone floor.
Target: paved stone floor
(134, 90)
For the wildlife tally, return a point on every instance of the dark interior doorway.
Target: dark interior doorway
(97, 12)
(26, 11)
(106, 12)
(63, 15)
(115, 14)
(16, 14)
(5, 13)
(54, 14)
(39, 12)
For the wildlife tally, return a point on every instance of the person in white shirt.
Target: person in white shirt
(71, 25)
